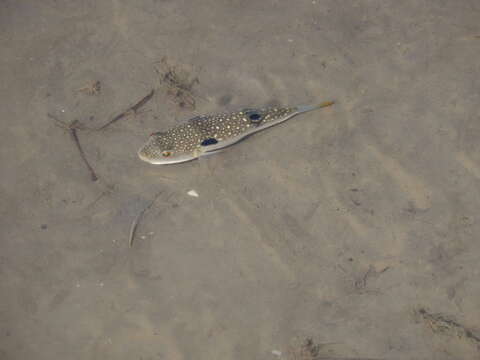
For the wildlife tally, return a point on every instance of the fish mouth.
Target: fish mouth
(144, 153)
(143, 157)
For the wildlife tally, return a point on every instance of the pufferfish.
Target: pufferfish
(204, 135)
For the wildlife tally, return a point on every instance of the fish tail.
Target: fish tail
(305, 108)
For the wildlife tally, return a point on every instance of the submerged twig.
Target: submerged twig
(142, 102)
(72, 129)
(137, 220)
(74, 135)
(131, 109)
(92, 89)
(439, 323)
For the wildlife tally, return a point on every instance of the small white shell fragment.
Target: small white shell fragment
(192, 193)
(276, 352)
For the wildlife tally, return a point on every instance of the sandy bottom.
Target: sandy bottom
(355, 226)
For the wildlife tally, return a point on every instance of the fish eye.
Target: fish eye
(166, 153)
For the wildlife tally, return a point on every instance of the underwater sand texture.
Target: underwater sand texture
(335, 226)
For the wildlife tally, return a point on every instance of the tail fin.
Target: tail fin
(305, 108)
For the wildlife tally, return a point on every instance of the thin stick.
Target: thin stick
(73, 133)
(133, 108)
(115, 119)
(59, 122)
(72, 129)
(143, 101)
(137, 220)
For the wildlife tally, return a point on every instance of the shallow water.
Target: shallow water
(337, 225)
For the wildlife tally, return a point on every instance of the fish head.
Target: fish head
(160, 149)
